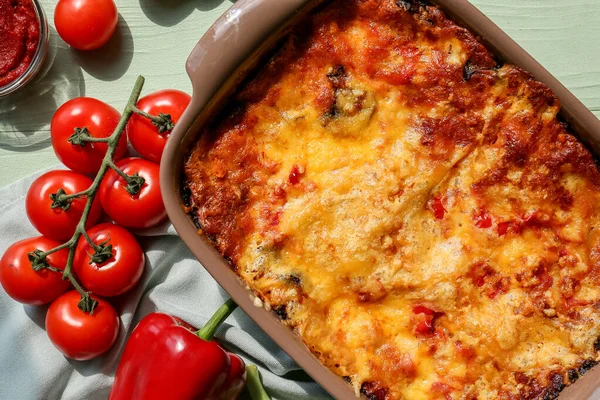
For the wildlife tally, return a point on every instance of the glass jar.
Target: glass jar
(38, 58)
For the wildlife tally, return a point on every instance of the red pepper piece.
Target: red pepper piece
(503, 227)
(436, 205)
(423, 310)
(164, 360)
(483, 220)
(425, 324)
(295, 174)
(530, 218)
(425, 327)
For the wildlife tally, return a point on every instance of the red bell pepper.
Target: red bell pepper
(164, 359)
(236, 378)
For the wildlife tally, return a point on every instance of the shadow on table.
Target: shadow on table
(171, 12)
(25, 115)
(111, 61)
(37, 314)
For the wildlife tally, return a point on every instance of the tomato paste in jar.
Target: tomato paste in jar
(19, 38)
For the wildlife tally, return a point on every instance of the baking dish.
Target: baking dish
(211, 63)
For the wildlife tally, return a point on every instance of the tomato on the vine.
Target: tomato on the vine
(85, 24)
(60, 222)
(80, 335)
(145, 136)
(122, 268)
(140, 210)
(99, 120)
(25, 285)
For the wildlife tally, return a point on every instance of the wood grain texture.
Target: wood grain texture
(154, 38)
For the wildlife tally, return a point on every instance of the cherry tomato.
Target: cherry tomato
(142, 210)
(120, 272)
(57, 223)
(85, 24)
(25, 285)
(145, 136)
(99, 119)
(79, 335)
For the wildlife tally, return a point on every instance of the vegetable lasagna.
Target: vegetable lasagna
(413, 209)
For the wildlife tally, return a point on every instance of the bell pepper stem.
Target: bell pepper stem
(254, 384)
(207, 332)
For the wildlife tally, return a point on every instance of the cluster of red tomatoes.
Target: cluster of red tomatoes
(77, 334)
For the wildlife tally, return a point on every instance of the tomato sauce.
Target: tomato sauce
(19, 38)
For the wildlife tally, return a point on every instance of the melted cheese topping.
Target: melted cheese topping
(415, 213)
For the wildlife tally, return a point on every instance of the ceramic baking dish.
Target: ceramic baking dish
(218, 63)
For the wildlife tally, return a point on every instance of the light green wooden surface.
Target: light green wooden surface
(155, 36)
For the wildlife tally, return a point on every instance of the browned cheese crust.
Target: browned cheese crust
(416, 213)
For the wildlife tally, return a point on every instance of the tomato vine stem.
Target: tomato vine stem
(134, 182)
(62, 200)
(37, 257)
(90, 241)
(163, 122)
(81, 136)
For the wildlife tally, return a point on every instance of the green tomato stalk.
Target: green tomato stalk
(102, 251)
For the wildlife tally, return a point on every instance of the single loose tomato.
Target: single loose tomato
(140, 210)
(124, 263)
(99, 121)
(80, 335)
(22, 282)
(148, 138)
(85, 24)
(60, 222)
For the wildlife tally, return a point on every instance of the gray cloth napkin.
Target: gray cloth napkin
(174, 282)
